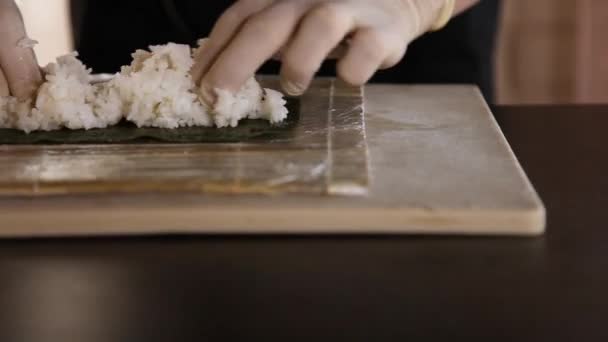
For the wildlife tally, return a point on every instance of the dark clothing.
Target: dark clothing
(108, 31)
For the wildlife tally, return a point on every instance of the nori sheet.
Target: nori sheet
(126, 132)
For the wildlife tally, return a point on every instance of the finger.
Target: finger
(258, 40)
(319, 33)
(369, 51)
(224, 30)
(339, 51)
(18, 62)
(3, 85)
(398, 48)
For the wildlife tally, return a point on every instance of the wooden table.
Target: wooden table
(553, 287)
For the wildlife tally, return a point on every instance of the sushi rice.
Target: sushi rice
(156, 90)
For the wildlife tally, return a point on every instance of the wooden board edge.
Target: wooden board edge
(225, 220)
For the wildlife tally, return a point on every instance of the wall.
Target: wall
(553, 51)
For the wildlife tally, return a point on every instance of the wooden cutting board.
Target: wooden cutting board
(439, 165)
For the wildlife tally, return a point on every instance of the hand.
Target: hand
(306, 31)
(20, 75)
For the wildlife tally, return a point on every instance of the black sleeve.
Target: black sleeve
(109, 31)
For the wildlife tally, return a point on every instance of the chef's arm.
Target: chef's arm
(19, 71)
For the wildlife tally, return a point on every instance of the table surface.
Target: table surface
(328, 288)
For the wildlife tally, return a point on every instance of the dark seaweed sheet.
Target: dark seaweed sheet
(127, 132)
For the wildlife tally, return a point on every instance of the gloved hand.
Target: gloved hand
(20, 74)
(306, 31)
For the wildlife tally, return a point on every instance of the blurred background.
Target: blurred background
(550, 51)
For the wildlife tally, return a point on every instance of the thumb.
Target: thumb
(3, 85)
(17, 58)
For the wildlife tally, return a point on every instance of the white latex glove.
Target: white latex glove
(20, 75)
(306, 31)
